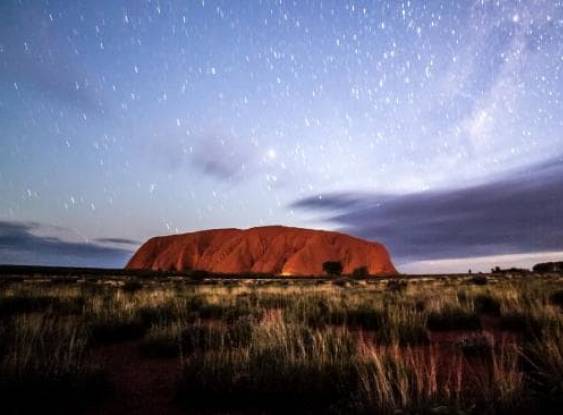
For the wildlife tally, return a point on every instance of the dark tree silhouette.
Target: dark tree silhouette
(360, 272)
(549, 267)
(332, 267)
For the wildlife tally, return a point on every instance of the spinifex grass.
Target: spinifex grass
(283, 366)
(433, 345)
(45, 365)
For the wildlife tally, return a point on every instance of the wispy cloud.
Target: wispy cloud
(220, 156)
(119, 241)
(20, 244)
(516, 214)
(217, 155)
(223, 157)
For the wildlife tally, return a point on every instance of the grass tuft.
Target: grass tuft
(453, 319)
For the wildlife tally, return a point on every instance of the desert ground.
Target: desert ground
(115, 344)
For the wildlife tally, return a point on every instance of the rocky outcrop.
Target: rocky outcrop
(270, 249)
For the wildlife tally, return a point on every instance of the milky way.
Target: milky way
(122, 120)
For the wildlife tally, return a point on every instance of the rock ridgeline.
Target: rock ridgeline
(270, 249)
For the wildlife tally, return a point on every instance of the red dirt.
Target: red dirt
(146, 386)
(269, 249)
(142, 386)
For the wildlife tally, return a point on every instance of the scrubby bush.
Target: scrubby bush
(132, 286)
(111, 331)
(199, 275)
(283, 368)
(332, 268)
(453, 319)
(486, 304)
(397, 285)
(479, 280)
(402, 333)
(480, 346)
(200, 338)
(549, 267)
(24, 304)
(556, 298)
(46, 367)
(516, 322)
(228, 313)
(161, 342)
(360, 272)
(160, 314)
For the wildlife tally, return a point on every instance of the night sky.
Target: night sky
(433, 127)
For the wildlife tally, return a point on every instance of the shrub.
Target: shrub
(397, 285)
(289, 368)
(322, 314)
(267, 300)
(229, 313)
(556, 298)
(486, 304)
(24, 304)
(316, 314)
(403, 333)
(46, 367)
(543, 364)
(332, 268)
(199, 275)
(453, 319)
(111, 331)
(160, 314)
(194, 303)
(69, 306)
(163, 347)
(161, 342)
(420, 305)
(360, 272)
(479, 280)
(549, 267)
(476, 346)
(131, 286)
(263, 382)
(65, 393)
(209, 311)
(365, 317)
(204, 337)
(516, 322)
(534, 328)
(201, 337)
(463, 297)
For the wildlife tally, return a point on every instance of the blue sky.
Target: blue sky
(126, 119)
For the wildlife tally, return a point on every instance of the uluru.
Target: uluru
(270, 249)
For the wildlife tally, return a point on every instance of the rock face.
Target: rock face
(269, 249)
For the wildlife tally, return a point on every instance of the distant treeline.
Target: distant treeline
(541, 268)
(331, 272)
(32, 270)
(549, 267)
(513, 270)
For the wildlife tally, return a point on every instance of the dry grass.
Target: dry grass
(354, 347)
